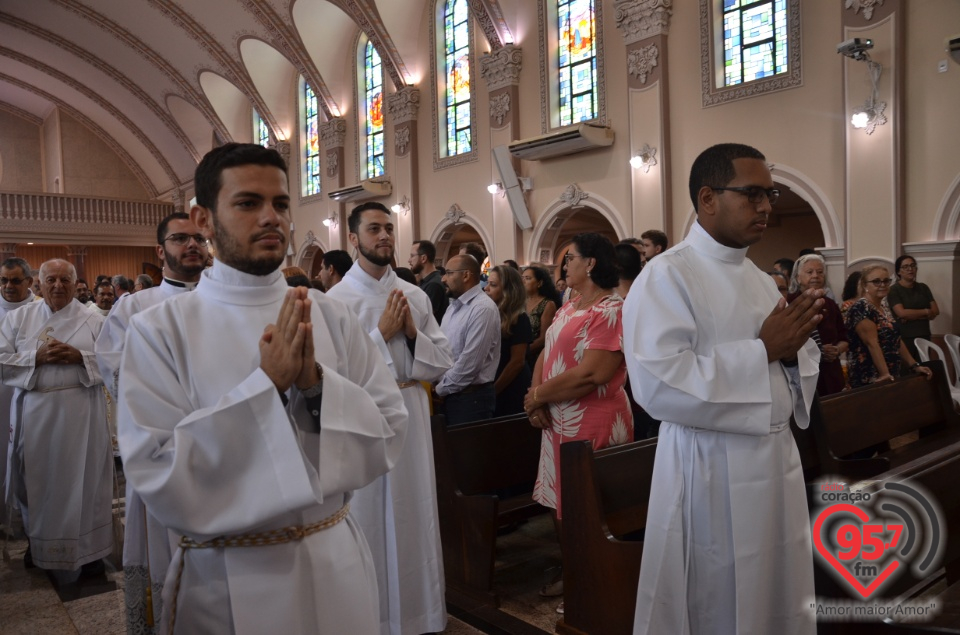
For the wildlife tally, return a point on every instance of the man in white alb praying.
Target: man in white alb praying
(398, 511)
(61, 463)
(714, 352)
(147, 548)
(249, 412)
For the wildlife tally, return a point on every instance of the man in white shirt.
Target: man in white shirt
(182, 250)
(15, 281)
(249, 412)
(472, 326)
(398, 511)
(103, 299)
(721, 359)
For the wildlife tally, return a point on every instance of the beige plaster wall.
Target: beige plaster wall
(20, 166)
(932, 127)
(91, 168)
(51, 153)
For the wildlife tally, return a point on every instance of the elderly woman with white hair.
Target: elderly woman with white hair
(809, 272)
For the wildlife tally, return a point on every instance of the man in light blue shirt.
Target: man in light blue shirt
(472, 326)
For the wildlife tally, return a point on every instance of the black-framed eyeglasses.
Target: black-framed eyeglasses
(14, 281)
(880, 281)
(908, 267)
(183, 239)
(754, 193)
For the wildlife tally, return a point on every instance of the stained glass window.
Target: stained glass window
(576, 23)
(754, 39)
(260, 131)
(312, 149)
(373, 111)
(456, 37)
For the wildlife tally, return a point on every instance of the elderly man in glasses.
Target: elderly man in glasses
(725, 363)
(182, 250)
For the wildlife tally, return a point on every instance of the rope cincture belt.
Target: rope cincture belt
(259, 539)
(407, 384)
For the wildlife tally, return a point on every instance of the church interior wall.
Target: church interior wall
(20, 154)
(51, 153)
(98, 260)
(91, 168)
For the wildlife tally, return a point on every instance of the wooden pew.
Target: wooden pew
(850, 421)
(605, 496)
(486, 471)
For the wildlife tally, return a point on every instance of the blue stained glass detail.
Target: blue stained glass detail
(373, 111)
(458, 89)
(577, 60)
(754, 40)
(311, 123)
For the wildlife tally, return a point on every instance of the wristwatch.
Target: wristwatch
(315, 390)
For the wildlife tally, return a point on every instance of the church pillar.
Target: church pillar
(500, 69)
(333, 133)
(874, 170)
(403, 107)
(76, 255)
(644, 25)
(9, 250)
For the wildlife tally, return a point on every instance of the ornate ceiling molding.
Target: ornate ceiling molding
(368, 19)
(88, 57)
(287, 41)
(488, 15)
(236, 72)
(20, 112)
(501, 68)
(640, 19)
(98, 99)
(191, 94)
(404, 105)
(94, 128)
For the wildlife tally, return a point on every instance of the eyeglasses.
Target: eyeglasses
(183, 239)
(908, 267)
(453, 271)
(880, 282)
(754, 193)
(569, 257)
(14, 281)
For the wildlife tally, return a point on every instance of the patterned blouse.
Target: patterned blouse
(862, 370)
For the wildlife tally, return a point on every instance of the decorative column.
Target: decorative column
(403, 107)
(644, 25)
(500, 69)
(177, 198)
(333, 133)
(874, 170)
(8, 250)
(77, 255)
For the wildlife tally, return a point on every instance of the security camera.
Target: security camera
(855, 48)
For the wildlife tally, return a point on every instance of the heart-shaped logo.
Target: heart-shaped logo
(851, 538)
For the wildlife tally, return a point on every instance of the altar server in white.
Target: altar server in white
(16, 279)
(61, 464)
(249, 412)
(398, 511)
(182, 250)
(714, 352)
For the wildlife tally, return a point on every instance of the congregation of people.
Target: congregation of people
(270, 424)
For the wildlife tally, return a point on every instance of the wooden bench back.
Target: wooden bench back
(491, 455)
(863, 417)
(623, 475)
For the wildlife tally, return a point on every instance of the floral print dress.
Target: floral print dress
(861, 368)
(602, 416)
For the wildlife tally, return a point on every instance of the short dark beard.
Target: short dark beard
(417, 268)
(228, 249)
(187, 273)
(380, 261)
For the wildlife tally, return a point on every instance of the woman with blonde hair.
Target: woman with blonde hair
(505, 287)
(876, 349)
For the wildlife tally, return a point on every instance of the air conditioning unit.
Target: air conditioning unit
(584, 136)
(370, 188)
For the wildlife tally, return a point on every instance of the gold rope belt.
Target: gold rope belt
(406, 384)
(259, 539)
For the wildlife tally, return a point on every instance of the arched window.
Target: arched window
(311, 126)
(751, 41)
(571, 64)
(457, 85)
(577, 61)
(261, 134)
(372, 115)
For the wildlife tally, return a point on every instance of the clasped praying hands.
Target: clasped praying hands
(397, 317)
(788, 326)
(56, 352)
(286, 347)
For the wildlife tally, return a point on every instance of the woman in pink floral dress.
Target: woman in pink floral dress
(577, 391)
